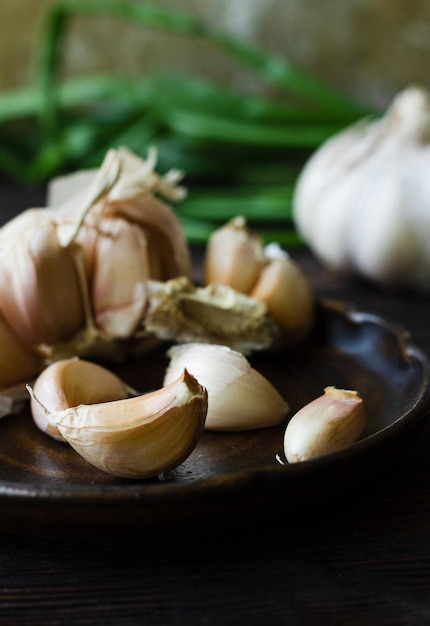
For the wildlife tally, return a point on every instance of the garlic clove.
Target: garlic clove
(119, 275)
(70, 382)
(139, 437)
(40, 289)
(287, 293)
(329, 423)
(234, 256)
(239, 397)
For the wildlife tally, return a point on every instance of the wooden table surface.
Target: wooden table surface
(361, 559)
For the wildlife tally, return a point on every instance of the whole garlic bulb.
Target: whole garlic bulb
(362, 201)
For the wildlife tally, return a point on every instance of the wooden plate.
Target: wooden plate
(46, 488)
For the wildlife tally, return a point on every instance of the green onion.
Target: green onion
(241, 153)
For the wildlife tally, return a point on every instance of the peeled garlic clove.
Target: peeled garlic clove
(40, 289)
(234, 256)
(328, 424)
(239, 397)
(70, 382)
(139, 437)
(287, 293)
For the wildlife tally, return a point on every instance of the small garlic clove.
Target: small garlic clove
(239, 397)
(287, 293)
(139, 437)
(70, 382)
(329, 423)
(234, 256)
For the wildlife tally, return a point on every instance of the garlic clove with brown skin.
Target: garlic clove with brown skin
(139, 437)
(239, 397)
(70, 382)
(329, 423)
(234, 256)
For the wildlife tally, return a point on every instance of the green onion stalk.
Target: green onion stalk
(241, 153)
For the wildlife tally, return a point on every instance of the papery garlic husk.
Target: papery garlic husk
(234, 256)
(130, 197)
(285, 289)
(361, 201)
(329, 423)
(71, 382)
(40, 290)
(239, 397)
(181, 312)
(140, 437)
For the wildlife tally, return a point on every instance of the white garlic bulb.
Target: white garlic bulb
(362, 202)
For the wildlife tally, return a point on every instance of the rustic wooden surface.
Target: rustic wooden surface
(363, 559)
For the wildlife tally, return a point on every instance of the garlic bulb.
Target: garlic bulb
(73, 278)
(327, 424)
(239, 397)
(236, 257)
(362, 200)
(139, 437)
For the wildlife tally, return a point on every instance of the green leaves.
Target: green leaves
(235, 148)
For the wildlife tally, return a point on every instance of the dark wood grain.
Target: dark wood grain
(360, 558)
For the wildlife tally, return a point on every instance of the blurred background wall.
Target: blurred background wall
(368, 48)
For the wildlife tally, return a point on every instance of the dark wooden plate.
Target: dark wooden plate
(46, 488)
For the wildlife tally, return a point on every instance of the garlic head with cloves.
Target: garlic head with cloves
(239, 397)
(362, 200)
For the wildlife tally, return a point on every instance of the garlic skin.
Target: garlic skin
(139, 437)
(217, 314)
(239, 397)
(329, 423)
(236, 257)
(361, 201)
(70, 382)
